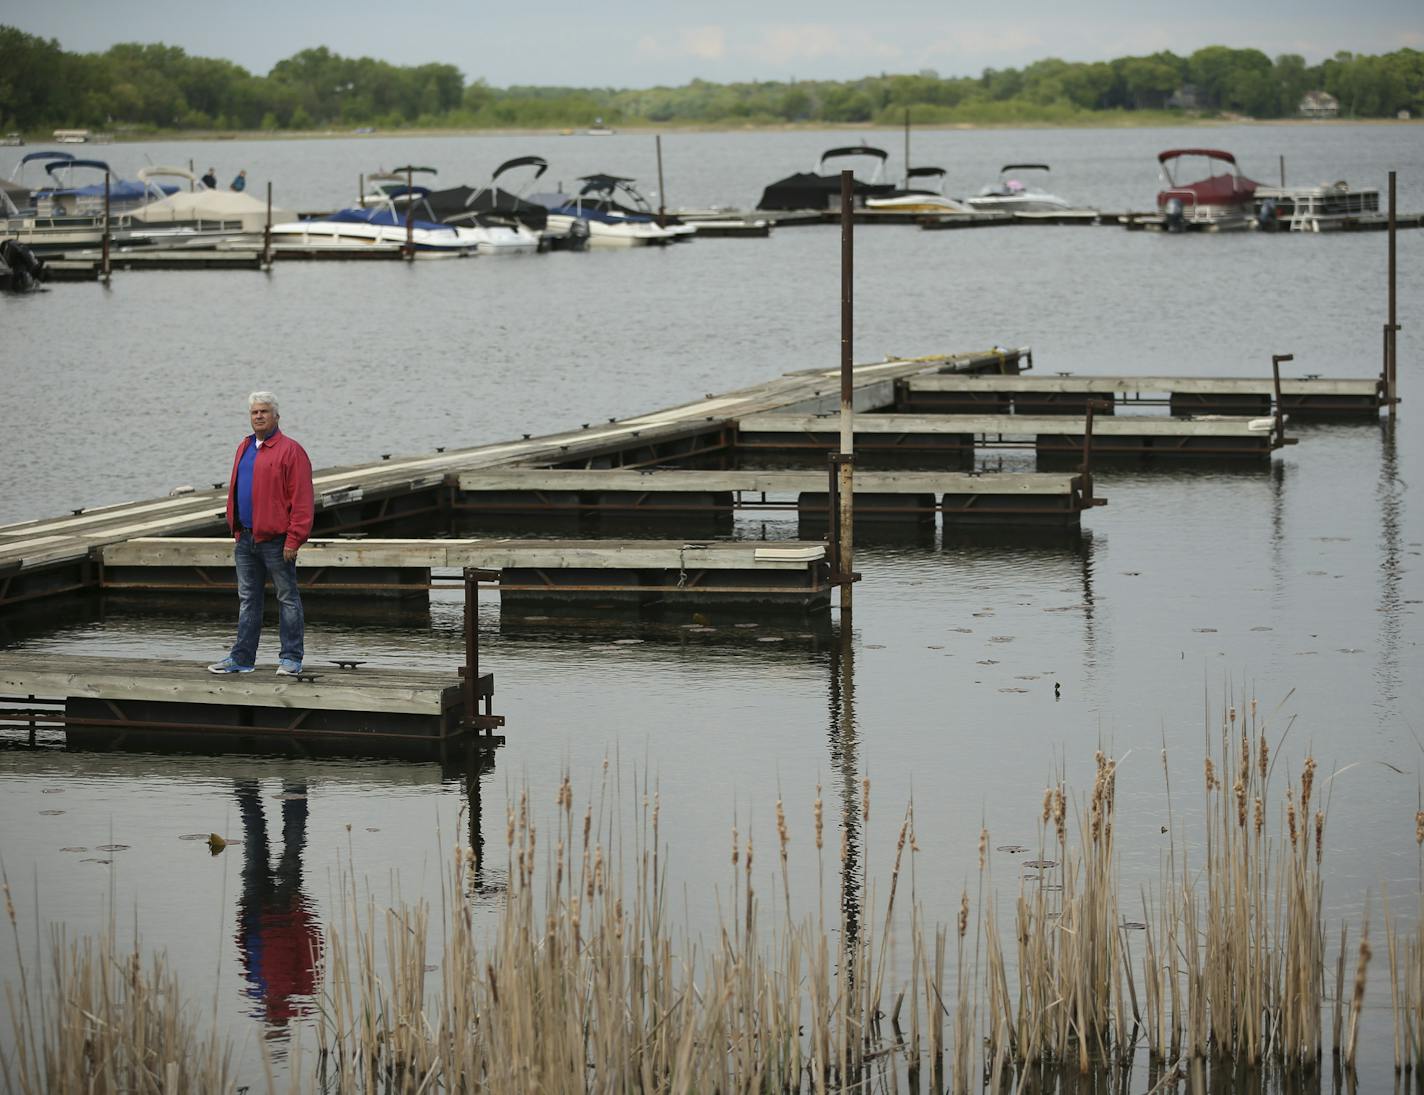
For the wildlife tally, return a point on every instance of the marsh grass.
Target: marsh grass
(584, 982)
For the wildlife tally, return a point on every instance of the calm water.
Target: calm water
(1298, 583)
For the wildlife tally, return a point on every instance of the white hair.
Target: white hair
(262, 397)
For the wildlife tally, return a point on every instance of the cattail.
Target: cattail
(1245, 766)
(9, 905)
(1418, 830)
(782, 834)
(1210, 775)
(1239, 789)
(1290, 816)
(816, 810)
(865, 799)
(587, 825)
(1060, 814)
(1263, 756)
(736, 851)
(1260, 818)
(1253, 707)
(1307, 781)
(1319, 834)
(749, 856)
(963, 912)
(983, 849)
(1231, 713)
(509, 827)
(1047, 804)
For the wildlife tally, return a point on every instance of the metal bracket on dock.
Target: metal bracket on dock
(473, 718)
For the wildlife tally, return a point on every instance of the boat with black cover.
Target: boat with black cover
(819, 189)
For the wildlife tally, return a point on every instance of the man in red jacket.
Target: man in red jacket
(269, 513)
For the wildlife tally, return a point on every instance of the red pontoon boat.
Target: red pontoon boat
(1217, 202)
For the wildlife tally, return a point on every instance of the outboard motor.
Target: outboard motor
(25, 271)
(1266, 216)
(1174, 215)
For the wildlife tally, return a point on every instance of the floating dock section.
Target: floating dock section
(132, 703)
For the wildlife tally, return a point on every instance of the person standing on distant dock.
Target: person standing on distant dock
(240, 182)
(210, 180)
(269, 513)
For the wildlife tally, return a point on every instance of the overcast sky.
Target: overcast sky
(618, 43)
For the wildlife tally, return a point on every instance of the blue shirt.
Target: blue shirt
(244, 483)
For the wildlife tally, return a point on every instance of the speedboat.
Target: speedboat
(1011, 195)
(1219, 202)
(614, 213)
(495, 233)
(913, 199)
(820, 189)
(383, 229)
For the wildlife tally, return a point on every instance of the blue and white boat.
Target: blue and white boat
(380, 228)
(600, 204)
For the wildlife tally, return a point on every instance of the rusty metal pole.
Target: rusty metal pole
(907, 148)
(1087, 472)
(108, 209)
(267, 231)
(1276, 360)
(409, 215)
(472, 645)
(662, 200)
(1391, 360)
(1283, 170)
(846, 468)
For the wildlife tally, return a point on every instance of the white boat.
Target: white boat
(598, 129)
(1315, 208)
(610, 223)
(457, 207)
(375, 229)
(1012, 195)
(919, 199)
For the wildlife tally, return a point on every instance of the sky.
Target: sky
(620, 43)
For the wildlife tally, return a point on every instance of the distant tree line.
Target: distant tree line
(158, 87)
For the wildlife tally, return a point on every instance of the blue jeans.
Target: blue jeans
(255, 561)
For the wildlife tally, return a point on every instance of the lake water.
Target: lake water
(1298, 583)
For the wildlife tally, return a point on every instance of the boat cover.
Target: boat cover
(212, 205)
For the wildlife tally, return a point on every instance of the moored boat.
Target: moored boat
(919, 199)
(1315, 208)
(820, 189)
(1012, 195)
(1222, 201)
(600, 205)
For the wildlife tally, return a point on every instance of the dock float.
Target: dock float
(652, 574)
(1032, 498)
(1313, 397)
(86, 265)
(136, 703)
(925, 435)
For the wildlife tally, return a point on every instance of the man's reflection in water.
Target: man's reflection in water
(277, 933)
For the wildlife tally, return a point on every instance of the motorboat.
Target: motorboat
(494, 233)
(509, 224)
(381, 228)
(598, 129)
(212, 212)
(63, 196)
(820, 189)
(1221, 201)
(1315, 208)
(919, 199)
(1012, 195)
(614, 213)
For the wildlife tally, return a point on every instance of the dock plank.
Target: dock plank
(770, 482)
(1011, 425)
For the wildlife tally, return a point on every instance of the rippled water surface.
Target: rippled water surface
(1298, 582)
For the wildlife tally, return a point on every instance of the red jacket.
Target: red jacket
(281, 491)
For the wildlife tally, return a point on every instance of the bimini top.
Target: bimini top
(1024, 167)
(925, 173)
(596, 184)
(1210, 153)
(853, 150)
(45, 156)
(522, 161)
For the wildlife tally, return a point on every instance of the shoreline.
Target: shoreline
(1106, 121)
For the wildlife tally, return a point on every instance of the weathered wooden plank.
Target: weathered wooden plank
(1012, 425)
(381, 690)
(1131, 384)
(491, 554)
(780, 482)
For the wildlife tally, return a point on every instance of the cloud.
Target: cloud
(706, 43)
(783, 44)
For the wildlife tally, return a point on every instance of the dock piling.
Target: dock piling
(1276, 360)
(662, 197)
(104, 269)
(845, 465)
(267, 232)
(1391, 360)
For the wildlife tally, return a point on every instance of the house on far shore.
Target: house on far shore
(1184, 98)
(1318, 104)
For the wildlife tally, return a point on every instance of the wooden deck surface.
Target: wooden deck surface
(770, 482)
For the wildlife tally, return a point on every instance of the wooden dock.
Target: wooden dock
(1068, 394)
(781, 576)
(940, 435)
(399, 493)
(879, 496)
(136, 703)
